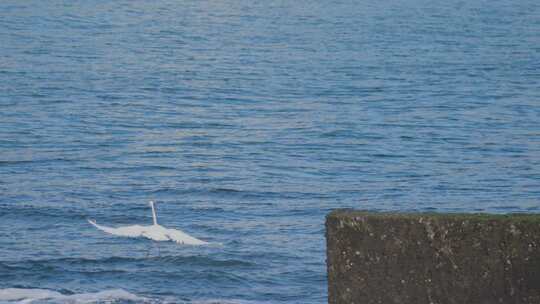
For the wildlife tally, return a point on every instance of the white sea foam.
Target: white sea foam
(35, 296)
(17, 294)
(26, 296)
(153, 232)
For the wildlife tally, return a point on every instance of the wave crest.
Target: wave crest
(25, 296)
(36, 295)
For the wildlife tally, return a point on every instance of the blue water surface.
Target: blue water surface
(248, 121)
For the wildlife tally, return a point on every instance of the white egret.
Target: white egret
(154, 232)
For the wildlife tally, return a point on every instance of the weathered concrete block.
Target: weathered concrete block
(432, 258)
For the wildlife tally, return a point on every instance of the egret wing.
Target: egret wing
(129, 231)
(183, 238)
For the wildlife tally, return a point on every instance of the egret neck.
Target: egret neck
(154, 217)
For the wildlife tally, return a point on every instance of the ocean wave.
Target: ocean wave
(25, 210)
(23, 162)
(36, 295)
(31, 295)
(236, 193)
(49, 264)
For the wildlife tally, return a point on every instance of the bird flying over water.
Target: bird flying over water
(154, 232)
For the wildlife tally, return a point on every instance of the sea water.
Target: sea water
(247, 122)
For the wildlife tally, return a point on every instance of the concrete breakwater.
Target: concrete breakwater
(432, 258)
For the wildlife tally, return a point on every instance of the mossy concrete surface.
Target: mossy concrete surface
(432, 258)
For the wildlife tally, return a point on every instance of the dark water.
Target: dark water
(248, 121)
